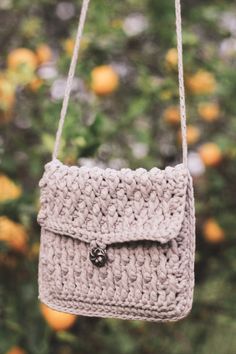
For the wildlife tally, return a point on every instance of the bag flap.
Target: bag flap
(112, 206)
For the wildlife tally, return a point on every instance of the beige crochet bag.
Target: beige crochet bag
(118, 243)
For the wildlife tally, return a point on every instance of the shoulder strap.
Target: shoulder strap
(182, 103)
(72, 68)
(70, 77)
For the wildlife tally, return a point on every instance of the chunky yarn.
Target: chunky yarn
(145, 222)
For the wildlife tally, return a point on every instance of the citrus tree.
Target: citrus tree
(123, 112)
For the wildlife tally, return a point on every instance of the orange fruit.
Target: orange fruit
(172, 115)
(22, 57)
(7, 99)
(209, 111)
(68, 46)
(13, 234)
(193, 134)
(171, 58)
(7, 93)
(16, 350)
(35, 84)
(202, 82)
(44, 53)
(104, 80)
(58, 321)
(8, 189)
(210, 154)
(213, 232)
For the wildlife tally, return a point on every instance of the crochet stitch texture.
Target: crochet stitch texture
(144, 219)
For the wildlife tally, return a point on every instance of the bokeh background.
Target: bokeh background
(123, 112)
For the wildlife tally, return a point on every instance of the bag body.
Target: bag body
(117, 243)
(140, 223)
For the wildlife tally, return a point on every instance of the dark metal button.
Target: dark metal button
(98, 256)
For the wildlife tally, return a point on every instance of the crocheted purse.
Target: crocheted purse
(118, 243)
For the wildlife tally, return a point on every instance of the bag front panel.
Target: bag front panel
(148, 275)
(141, 280)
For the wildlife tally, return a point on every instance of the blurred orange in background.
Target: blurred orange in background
(208, 111)
(171, 58)
(21, 57)
(13, 234)
(201, 83)
(44, 54)
(210, 154)
(212, 231)
(7, 98)
(58, 321)
(172, 115)
(193, 134)
(16, 350)
(8, 189)
(104, 80)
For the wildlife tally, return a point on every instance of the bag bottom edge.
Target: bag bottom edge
(114, 312)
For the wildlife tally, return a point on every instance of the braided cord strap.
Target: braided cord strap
(72, 68)
(70, 77)
(181, 81)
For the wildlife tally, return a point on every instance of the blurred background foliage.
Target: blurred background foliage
(123, 112)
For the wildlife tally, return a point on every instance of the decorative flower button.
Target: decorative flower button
(98, 256)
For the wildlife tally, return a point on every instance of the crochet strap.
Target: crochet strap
(71, 75)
